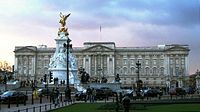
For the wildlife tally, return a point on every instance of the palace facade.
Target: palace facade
(162, 65)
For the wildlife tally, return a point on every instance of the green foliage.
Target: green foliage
(110, 107)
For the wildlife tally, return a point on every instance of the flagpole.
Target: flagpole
(100, 33)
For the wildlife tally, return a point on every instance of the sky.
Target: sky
(128, 23)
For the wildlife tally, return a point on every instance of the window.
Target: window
(147, 62)
(182, 61)
(171, 61)
(132, 70)
(118, 62)
(154, 71)
(171, 71)
(154, 61)
(125, 70)
(147, 71)
(161, 62)
(162, 71)
(125, 61)
(132, 61)
(177, 61)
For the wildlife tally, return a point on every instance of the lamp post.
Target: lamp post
(138, 66)
(5, 80)
(67, 90)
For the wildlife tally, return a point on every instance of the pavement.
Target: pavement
(37, 107)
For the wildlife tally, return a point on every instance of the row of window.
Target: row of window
(146, 71)
(142, 61)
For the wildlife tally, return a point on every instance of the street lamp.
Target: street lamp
(138, 66)
(68, 90)
(5, 80)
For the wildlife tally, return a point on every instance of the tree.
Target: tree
(4, 66)
(5, 71)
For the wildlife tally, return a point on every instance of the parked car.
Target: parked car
(107, 91)
(153, 93)
(80, 96)
(13, 96)
(44, 92)
(177, 91)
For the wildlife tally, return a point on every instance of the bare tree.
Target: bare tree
(4, 66)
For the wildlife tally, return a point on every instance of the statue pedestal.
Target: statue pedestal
(61, 74)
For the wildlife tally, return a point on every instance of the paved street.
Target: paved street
(37, 107)
(46, 105)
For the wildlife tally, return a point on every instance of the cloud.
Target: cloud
(125, 22)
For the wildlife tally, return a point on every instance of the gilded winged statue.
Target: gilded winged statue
(63, 19)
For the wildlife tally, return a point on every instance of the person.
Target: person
(93, 94)
(68, 94)
(126, 103)
(120, 97)
(57, 95)
(117, 103)
(52, 95)
(89, 93)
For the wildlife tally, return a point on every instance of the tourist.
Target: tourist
(126, 103)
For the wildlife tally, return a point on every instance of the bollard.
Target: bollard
(33, 109)
(40, 99)
(40, 108)
(25, 98)
(17, 102)
(45, 107)
(61, 97)
(50, 106)
(50, 98)
(8, 101)
(0, 103)
(32, 99)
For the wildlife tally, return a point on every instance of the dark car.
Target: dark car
(177, 91)
(13, 96)
(153, 93)
(80, 96)
(107, 91)
(44, 92)
(103, 92)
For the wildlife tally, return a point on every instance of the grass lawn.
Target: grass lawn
(96, 107)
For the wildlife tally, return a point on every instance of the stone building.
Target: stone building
(162, 65)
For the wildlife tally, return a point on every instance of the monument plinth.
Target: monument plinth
(58, 62)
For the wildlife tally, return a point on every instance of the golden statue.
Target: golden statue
(62, 21)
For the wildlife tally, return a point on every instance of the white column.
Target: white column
(186, 66)
(89, 64)
(16, 72)
(166, 65)
(84, 65)
(33, 65)
(95, 64)
(113, 60)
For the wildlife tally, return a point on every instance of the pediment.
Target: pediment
(178, 48)
(26, 49)
(98, 48)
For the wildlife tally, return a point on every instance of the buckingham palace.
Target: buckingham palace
(161, 65)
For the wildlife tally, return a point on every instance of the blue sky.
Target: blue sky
(126, 22)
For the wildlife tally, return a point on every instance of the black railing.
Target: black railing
(41, 107)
